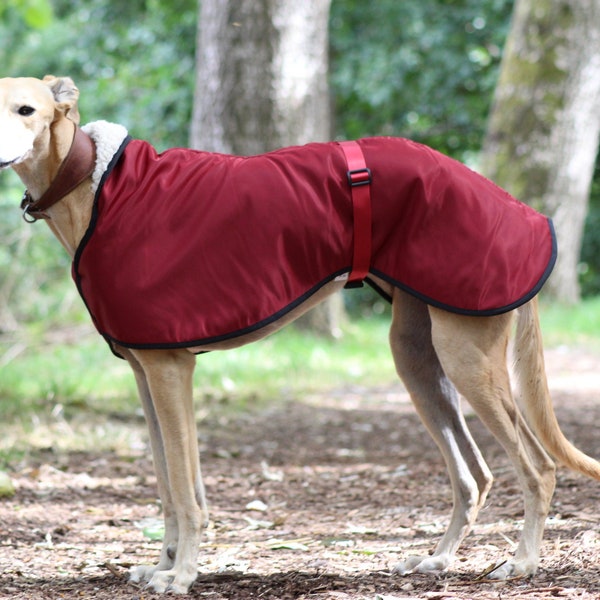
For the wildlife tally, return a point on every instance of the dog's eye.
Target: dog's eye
(26, 111)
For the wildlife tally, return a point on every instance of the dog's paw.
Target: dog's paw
(422, 564)
(172, 581)
(406, 566)
(143, 573)
(511, 569)
(161, 581)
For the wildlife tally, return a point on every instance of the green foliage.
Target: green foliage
(34, 13)
(34, 269)
(575, 326)
(422, 69)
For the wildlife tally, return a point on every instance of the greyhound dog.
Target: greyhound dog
(440, 350)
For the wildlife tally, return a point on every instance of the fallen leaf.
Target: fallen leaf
(257, 505)
(254, 524)
(289, 546)
(7, 488)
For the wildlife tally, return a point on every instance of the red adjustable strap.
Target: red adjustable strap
(359, 178)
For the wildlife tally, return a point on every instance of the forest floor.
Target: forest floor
(310, 499)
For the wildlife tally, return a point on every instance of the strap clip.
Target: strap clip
(359, 177)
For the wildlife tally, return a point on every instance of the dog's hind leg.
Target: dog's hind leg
(164, 380)
(472, 351)
(438, 406)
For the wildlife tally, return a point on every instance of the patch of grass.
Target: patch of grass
(293, 362)
(68, 394)
(39, 378)
(84, 373)
(577, 326)
(43, 376)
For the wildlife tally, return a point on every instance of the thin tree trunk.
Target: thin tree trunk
(544, 127)
(261, 75)
(261, 84)
(233, 103)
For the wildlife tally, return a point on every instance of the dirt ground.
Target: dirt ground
(309, 500)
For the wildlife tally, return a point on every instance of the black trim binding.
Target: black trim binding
(469, 312)
(233, 334)
(378, 289)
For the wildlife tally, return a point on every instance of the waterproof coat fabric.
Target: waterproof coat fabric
(187, 248)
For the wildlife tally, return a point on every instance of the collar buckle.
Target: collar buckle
(26, 203)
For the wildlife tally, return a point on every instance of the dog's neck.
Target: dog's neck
(69, 218)
(75, 168)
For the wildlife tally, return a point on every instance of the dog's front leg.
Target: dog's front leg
(164, 381)
(169, 549)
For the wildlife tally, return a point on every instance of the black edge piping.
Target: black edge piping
(237, 333)
(92, 225)
(470, 312)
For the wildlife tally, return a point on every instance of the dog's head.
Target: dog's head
(28, 108)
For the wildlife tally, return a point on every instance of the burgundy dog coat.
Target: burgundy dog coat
(186, 248)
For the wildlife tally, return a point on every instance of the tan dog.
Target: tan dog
(435, 352)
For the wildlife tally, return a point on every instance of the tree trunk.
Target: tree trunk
(261, 75)
(543, 131)
(261, 83)
(233, 104)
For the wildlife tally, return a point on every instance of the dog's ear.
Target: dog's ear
(65, 94)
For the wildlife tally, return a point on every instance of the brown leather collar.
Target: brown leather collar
(77, 166)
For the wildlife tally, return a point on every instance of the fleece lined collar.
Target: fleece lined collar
(108, 138)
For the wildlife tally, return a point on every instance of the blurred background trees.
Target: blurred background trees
(424, 69)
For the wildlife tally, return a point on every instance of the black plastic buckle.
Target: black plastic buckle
(359, 177)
